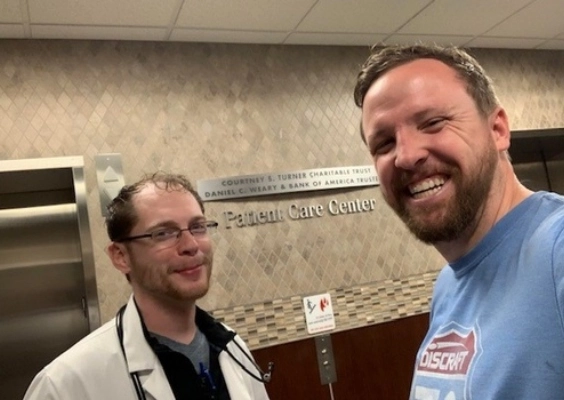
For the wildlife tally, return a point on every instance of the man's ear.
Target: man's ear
(499, 125)
(119, 256)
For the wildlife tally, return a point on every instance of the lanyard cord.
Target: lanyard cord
(134, 375)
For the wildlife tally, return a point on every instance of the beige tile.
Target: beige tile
(210, 110)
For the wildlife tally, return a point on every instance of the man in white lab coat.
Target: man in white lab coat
(160, 345)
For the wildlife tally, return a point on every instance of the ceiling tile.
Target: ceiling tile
(541, 19)
(13, 31)
(448, 17)
(10, 11)
(196, 35)
(552, 45)
(268, 15)
(102, 12)
(504, 43)
(337, 39)
(360, 16)
(445, 40)
(97, 33)
(506, 23)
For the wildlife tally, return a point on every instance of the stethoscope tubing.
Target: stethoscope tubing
(261, 376)
(134, 375)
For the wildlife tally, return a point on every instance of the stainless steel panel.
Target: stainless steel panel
(29, 343)
(34, 235)
(46, 267)
(37, 182)
(87, 252)
(41, 290)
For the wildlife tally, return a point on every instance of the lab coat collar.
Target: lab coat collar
(140, 357)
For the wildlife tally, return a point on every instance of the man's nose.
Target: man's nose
(411, 149)
(187, 243)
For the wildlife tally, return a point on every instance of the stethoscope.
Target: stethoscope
(263, 377)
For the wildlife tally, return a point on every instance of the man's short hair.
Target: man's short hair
(382, 59)
(122, 216)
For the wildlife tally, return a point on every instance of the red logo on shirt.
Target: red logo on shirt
(449, 354)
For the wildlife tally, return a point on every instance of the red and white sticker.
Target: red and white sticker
(319, 315)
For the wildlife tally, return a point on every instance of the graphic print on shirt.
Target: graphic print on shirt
(444, 367)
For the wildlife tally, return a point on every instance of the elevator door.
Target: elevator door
(43, 281)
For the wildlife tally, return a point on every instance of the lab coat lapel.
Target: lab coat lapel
(141, 358)
(234, 379)
(156, 384)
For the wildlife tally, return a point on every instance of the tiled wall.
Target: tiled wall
(283, 320)
(213, 110)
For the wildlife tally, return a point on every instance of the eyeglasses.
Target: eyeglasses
(171, 236)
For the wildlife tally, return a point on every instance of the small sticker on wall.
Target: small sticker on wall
(319, 313)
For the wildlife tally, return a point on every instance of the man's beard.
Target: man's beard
(461, 211)
(156, 279)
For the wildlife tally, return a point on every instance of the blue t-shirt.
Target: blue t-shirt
(497, 326)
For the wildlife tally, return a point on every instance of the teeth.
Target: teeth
(427, 188)
(427, 193)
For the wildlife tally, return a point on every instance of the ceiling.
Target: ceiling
(523, 24)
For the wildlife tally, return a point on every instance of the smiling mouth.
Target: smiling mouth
(188, 269)
(426, 188)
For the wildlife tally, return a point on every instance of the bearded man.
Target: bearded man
(439, 140)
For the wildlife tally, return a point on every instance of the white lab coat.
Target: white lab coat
(95, 369)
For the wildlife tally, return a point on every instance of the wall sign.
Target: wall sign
(287, 182)
(297, 212)
(319, 313)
